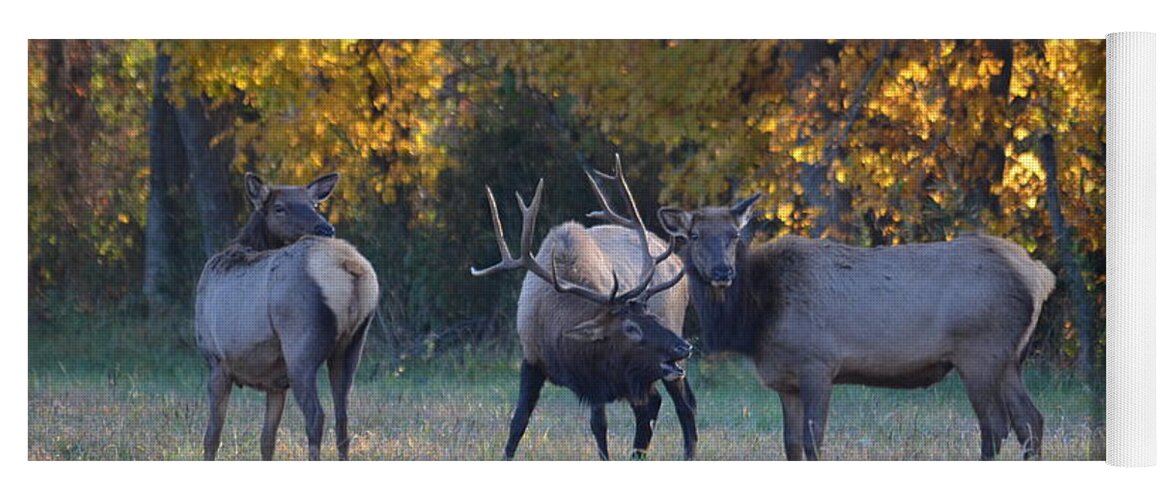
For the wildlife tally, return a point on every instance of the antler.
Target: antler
(636, 224)
(526, 259)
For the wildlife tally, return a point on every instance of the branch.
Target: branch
(855, 106)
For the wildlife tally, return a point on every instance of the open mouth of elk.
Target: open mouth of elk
(671, 369)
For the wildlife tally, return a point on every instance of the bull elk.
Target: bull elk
(814, 313)
(280, 300)
(604, 346)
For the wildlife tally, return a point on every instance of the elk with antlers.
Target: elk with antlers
(604, 346)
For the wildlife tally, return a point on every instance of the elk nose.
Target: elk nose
(723, 272)
(683, 350)
(324, 229)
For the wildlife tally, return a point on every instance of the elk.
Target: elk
(603, 346)
(280, 300)
(814, 313)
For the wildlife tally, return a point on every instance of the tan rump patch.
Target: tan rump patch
(1036, 276)
(347, 281)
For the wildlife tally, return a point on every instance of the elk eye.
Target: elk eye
(633, 331)
(278, 209)
(694, 235)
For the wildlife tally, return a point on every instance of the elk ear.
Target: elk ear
(590, 330)
(743, 210)
(675, 221)
(257, 190)
(320, 189)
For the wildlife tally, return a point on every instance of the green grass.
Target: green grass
(106, 387)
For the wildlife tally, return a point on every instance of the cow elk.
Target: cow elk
(814, 313)
(604, 346)
(280, 300)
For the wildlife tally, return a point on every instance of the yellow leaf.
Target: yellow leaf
(1019, 85)
(769, 125)
(1032, 165)
(784, 211)
(914, 71)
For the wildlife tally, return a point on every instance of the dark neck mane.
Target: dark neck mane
(247, 247)
(252, 236)
(733, 324)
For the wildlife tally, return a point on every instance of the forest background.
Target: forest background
(137, 150)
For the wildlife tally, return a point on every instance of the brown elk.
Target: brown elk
(280, 300)
(603, 346)
(814, 313)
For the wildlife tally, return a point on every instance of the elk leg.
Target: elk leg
(219, 391)
(305, 391)
(307, 339)
(531, 381)
(598, 427)
(645, 415)
(990, 412)
(342, 367)
(339, 385)
(1027, 422)
(274, 407)
(684, 400)
(815, 396)
(793, 412)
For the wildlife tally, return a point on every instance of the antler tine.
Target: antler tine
(607, 213)
(526, 259)
(602, 174)
(529, 215)
(573, 288)
(614, 290)
(670, 250)
(639, 227)
(506, 260)
(650, 292)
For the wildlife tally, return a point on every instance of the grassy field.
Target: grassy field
(106, 388)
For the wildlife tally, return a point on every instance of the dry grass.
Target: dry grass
(105, 386)
(456, 411)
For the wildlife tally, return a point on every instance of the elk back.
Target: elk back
(240, 296)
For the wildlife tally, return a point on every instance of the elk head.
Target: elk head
(290, 212)
(712, 236)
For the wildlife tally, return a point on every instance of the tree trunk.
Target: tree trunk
(988, 161)
(168, 170)
(819, 190)
(69, 74)
(1083, 319)
(814, 176)
(209, 166)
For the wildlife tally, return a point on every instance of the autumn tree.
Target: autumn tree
(870, 142)
(136, 150)
(87, 166)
